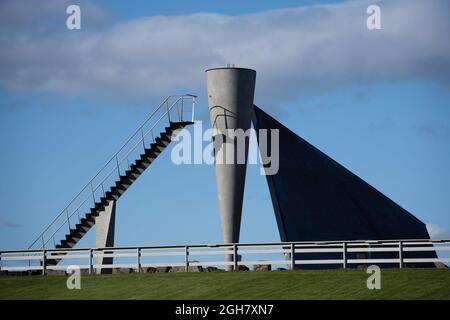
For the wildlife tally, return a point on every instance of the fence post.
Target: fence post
(44, 263)
(400, 254)
(90, 261)
(193, 108)
(168, 111)
(186, 258)
(138, 252)
(235, 262)
(68, 219)
(344, 255)
(292, 256)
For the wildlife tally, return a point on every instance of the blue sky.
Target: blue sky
(378, 103)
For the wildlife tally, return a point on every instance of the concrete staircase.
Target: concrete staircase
(123, 183)
(118, 174)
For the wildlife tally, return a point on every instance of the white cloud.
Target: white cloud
(437, 232)
(295, 51)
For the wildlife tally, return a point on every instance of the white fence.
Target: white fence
(330, 254)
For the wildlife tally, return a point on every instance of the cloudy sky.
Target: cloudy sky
(377, 101)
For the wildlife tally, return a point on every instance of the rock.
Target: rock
(243, 268)
(177, 269)
(262, 267)
(162, 269)
(148, 270)
(85, 272)
(122, 270)
(440, 265)
(214, 269)
(195, 269)
(183, 269)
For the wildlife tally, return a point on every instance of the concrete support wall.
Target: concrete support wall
(104, 233)
(230, 100)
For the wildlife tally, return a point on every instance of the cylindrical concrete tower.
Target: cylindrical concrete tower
(230, 100)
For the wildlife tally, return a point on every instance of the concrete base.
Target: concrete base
(105, 227)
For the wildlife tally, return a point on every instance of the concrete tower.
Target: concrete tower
(230, 100)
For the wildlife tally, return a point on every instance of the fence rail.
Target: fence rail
(341, 254)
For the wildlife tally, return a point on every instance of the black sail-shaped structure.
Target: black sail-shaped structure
(317, 199)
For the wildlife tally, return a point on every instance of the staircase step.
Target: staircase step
(82, 228)
(77, 232)
(67, 244)
(148, 160)
(72, 238)
(157, 147)
(149, 152)
(117, 191)
(94, 213)
(163, 140)
(90, 216)
(137, 168)
(122, 186)
(111, 196)
(127, 179)
(133, 174)
(99, 207)
(89, 222)
(142, 164)
(104, 200)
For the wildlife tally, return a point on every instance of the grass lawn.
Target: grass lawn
(311, 284)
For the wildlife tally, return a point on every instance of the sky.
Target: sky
(376, 101)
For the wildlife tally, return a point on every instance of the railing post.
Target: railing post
(400, 254)
(103, 192)
(292, 256)
(90, 261)
(182, 107)
(235, 258)
(168, 110)
(186, 258)
(117, 164)
(344, 255)
(193, 108)
(68, 219)
(138, 253)
(44, 263)
(92, 191)
(142, 135)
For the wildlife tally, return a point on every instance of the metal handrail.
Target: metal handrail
(16, 260)
(244, 244)
(179, 97)
(113, 170)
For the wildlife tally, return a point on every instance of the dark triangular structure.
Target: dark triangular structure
(317, 199)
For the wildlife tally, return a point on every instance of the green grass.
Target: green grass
(314, 284)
